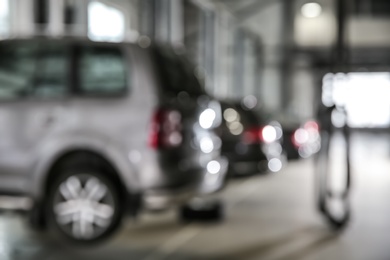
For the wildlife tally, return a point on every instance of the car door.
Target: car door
(33, 83)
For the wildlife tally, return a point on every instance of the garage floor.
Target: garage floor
(267, 217)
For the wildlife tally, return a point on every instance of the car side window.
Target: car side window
(101, 70)
(51, 74)
(29, 69)
(17, 67)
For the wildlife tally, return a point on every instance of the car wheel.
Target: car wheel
(83, 205)
(202, 211)
(36, 219)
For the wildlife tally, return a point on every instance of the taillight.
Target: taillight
(166, 129)
(312, 125)
(300, 137)
(266, 134)
(306, 134)
(252, 135)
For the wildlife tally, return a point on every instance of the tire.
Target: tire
(36, 218)
(333, 196)
(202, 211)
(83, 205)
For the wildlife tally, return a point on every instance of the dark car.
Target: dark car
(251, 144)
(300, 140)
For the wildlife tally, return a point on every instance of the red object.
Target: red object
(294, 141)
(311, 125)
(165, 130)
(253, 135)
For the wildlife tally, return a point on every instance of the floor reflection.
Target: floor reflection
(268, 217)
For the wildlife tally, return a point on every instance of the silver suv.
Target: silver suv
(91, 131)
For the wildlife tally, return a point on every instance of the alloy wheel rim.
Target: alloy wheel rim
(83, 207)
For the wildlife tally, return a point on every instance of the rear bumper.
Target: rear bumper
(256, 152)
(248, 168)
(162, 199)
(212, 179)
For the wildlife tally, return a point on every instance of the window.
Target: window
(192, 32)
(4, 17)
(101, 70)
(105, 23)
(51, 73)
(17, 66)
(26, 70)
(364, 95)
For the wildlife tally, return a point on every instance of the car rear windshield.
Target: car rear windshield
(177, 74)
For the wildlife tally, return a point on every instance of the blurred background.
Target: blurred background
(281, 59)
(277, 51)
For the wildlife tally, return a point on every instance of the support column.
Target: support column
(340, 57)
(56, 17)
(162, 21)
(147, 17)
(81, 17)
(176, 22)
(286, 59)
(4, 18)
(21, 17)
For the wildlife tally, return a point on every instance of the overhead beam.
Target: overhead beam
(253, 9)
(287, 54)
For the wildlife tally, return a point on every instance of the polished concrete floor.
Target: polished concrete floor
(267, 217)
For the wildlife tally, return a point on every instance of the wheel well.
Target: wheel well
(85, 156)
(92, 158)
(130, 202)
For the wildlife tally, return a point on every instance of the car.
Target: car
(301, 139)
(91, 132)
(251, 144)
(306, 139)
